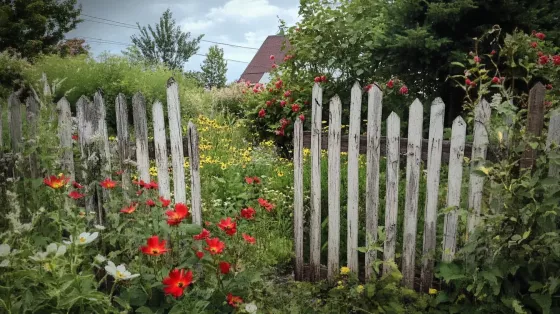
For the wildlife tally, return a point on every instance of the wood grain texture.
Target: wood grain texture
(413, 163)
(175, 136)
(353, 177)
(65, 137)
(315, 223)
(373, 148)
(194, 161)
(392, 190)
(15, 123)
(160, 150)
(141, 135)
(121, 112)
(333, 258)
(535, 123)
(32, 119)
(298, 198)
(553, 140)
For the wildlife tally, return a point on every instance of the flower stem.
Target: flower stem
(112, 290)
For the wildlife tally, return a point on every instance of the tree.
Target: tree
(31, 27)
(73, 47)
(214, 68)
(167, 43)
(415, 40)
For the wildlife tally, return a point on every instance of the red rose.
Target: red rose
(317, 79)
(302, 117)
(495, 80)
(199, 254)
(468, 82)
(556, 59)
(272, 57)
(295, 107)
(278, 84)
(548, 86)
(476, 59)
(390, 84)
(534, 44)
(262, 113)
(543, 60)
(493, 52)
(403, 90)
(287, 94)
(224, 268)
(282, 103)
(279, 132)
(274, 66)
(323, 78)
(540, 36)
(268, 103)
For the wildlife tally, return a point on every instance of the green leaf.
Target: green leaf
(144, 310)
(458, 64)
(360, 72)
(544, 301)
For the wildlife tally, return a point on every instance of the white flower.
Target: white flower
(119, 272)
(53, 250)
(251, 307)
(83, 238)
(4, 250)
(99, 259)
(99, 227)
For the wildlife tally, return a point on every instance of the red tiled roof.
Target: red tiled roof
(261, 62)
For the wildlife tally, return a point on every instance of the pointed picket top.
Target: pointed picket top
(416, 107)
(439, 103)
(317, 92)
(393, 117)
(357, 88)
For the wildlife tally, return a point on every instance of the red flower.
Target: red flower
(278, 84)
(56, 182)
(154, 246)
(262, 113)
(403, 90)
(215, 246)
(548, 86)
(152, 185)
(130, 209)
(264, 203)
(249, 180)
(323, 78)
(282, 103)
(224, 268)
(234, 301)
(207, 223)
(164, 202)
(199, 254)
(248, 213)
(540, 36)
(540, 54)
(75, 195)
(75, 137)
(287, 94)
(468, 82)
(257, 180)
(268, 103)
(174, 217)
(368, 87)
(495, 80)
(279, 132)
(228, 226)
(150, 203)
(77, 185)
(274, 66)
(543, 60)
(249, 239)
(284, 122)
(203, 235)
(302, 117)
(271, 57)
(177, 282)
(108, 183)
(476, 59)
(390, 84)
(317, 79)
(493, 52)
(139, 192)
(119, 172)
(556, 59)
(534, 44)
(295, 107)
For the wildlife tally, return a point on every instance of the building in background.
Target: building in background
(258, 70)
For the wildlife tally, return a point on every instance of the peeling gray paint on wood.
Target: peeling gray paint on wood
(121, 111)
(32, 121)
(392, 190)
(194, 161)
(553, 140)
(353, 178)
(298, 198)
(141, 135)
(175, 136)
(333, 258)
(65, 137)
(315, 224)
(15, 125)
(160, 149)
(535, 123)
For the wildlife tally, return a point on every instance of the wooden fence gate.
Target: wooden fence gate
(413, 152)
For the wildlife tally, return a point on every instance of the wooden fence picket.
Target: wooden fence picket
(353, 179)
(121, 110)
(435, 138)
(535, 122)
(65, 136)
(454, 181)
(315, 228)
(392, 189)
(32, 122)
(413, 163)
(333, 258)
(479, 149)
(160, 149)
(141, 135)
(176, 138)
(101, 116)
(16, 128)
(298, 198)
(194, 161)
(375, 97)
(553, 138)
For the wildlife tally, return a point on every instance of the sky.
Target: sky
(237, 22)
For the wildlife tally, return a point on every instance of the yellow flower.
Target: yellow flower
(48, 267)
(360, 289)
(432, 291)
(112, 138)
(280, 173)
(340, 282)
(224, 166)
(344, 270)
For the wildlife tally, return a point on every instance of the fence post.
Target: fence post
(375, 98)
(315, 232)
(65, 136)
(121, 110)
(392, 189)
(160, 148)
(333, 262)
(413, 161)
(194, 160)
(298, 198)
(32, 120)
(455, 178)
(353, 177)
(16, 131)
(553, 137)
(479, 149)
(435, 146)
(176, 138)
(141, 135)
(535, 122)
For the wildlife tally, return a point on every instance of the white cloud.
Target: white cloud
(195, 26)
(245, 9)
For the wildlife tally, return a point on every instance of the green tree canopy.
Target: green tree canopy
(167, 43)
(214, 68)
(415, 40)
(33, 26)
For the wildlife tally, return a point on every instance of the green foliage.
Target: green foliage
(214, 68)
(167, 43)
(32, 27)
(11, 68)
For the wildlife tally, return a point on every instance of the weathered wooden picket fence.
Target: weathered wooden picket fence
(413, 160)
(95, 148)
